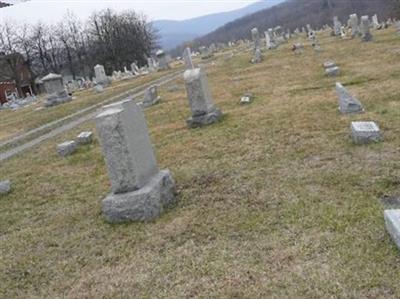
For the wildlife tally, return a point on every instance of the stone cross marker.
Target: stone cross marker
(366, 35)
(139, 190)
(187, 57)
(364, 132)
(56, 93)
(201, 103)
(347, 103)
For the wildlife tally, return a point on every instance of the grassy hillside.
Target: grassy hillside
(294, 13)
(274, 201)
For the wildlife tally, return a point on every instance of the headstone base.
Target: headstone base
(144, 204)
(205, 119)
(365, 132)
(57, 99)
(392, 222)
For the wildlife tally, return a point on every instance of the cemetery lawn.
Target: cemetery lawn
(274, 201)
(22, 120)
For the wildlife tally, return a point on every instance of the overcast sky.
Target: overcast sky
(53, 10)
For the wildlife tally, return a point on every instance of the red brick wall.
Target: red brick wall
(4, 86)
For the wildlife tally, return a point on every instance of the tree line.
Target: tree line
(73, 46)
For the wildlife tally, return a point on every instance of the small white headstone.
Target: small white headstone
(364, 132)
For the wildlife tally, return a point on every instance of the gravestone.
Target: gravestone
(328, 64)
(205, 53)
(337, 26)
(99, 88)
(392, 223)
(140, 191)
(67, 148)
(355, 30)
(375, 22)
(56, 93)
(5, 187)
(347, 103)
(100, 75)
(135, 69)
(162, 60)
(257, 56)
(270, 40)
(332, 71)
(364, 132)
(256, 38)
(151, 96)
(84, 138)
(187, 57)
(366, 35)
(201, 103)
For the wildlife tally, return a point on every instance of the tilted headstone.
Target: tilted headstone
(392, 223)
(140, 191)
(269, 40)
(187, 57)
(201, 103)
(56, 93)
(151, 96)
(364, 132)
(366, 35)
(101, 77)
(347, 103)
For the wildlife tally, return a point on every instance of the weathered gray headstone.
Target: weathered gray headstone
(151, 96)
(201, 103)
(375, 22)
(85, 138)
(66, 148)
(364, 132)
(257, 56)
(337, 26)
(347, 103)
(366, 35)
(332, 71)
(101, 77)
(5, 187)
(355, 30)
(187, 57)
(256, 38)
(140, 192)
(162, 60)
(392, 223)
(328, 64)
(99, 88)
(56, 93)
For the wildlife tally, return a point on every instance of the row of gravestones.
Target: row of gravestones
(58, 94)
(363, 132)
(140, 191)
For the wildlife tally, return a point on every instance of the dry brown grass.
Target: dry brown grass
(275, 201)
(15, 122)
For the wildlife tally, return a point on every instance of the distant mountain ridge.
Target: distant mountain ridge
(297, 13)
(174, 33)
